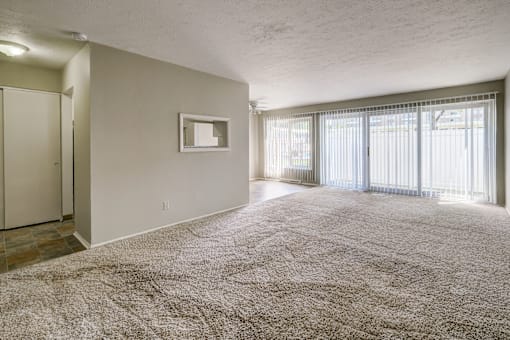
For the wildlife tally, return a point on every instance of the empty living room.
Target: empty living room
(256, 169)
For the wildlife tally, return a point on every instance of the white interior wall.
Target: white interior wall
(507, 140)
(66, 131)
(2, 215)
(204, 134)
(255, 145)
(76, 78)
(30, 77)
(135, 158)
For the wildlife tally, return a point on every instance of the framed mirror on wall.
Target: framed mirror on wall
(199, 133)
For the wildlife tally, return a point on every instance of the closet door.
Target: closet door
(31, 157)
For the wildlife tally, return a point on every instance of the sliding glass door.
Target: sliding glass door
(437, 148)
(393, 150)
(455, 151)
(342, 145)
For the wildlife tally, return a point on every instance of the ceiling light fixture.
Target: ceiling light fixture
(255, 107)
(79, 36)
(12, 49)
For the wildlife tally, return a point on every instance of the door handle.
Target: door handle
(56, 163)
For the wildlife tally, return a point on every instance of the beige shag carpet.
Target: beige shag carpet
(322, 263)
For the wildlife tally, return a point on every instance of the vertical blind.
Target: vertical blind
(435, 148)
(458, 148)
(342, 145)
(288, 148)
(393, 149)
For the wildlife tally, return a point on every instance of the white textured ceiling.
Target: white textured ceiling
(49, 47)
(298, 52)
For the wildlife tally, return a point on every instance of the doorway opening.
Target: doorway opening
(37, 173)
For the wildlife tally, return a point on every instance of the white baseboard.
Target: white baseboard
(256, 179)
(82, 240)
(290, 181)
(161, 227)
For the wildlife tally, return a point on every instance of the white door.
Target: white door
(31, 157)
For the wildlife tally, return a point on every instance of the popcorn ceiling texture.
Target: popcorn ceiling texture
(296, 52)
(322, 263)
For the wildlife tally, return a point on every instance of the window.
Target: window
(288, 148)
(300, 143)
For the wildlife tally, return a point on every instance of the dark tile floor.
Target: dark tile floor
(21, 247)
(266, 190)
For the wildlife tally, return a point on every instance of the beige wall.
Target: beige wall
(76, 77)
(422, 95)
(30, 77)
(135, 161)
(255, 144)
(66, 150)
(2, 214)
(507, 139)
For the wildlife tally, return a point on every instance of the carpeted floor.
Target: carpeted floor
(322, 263)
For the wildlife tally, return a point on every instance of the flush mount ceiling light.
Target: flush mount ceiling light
(12, 49)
